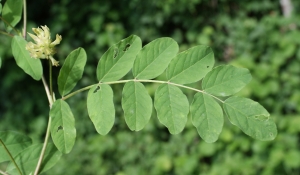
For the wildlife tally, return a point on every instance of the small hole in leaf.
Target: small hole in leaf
(116, 52)
(126, 47)
(96, 89)
(59, 128)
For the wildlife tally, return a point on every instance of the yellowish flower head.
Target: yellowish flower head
(43, 48)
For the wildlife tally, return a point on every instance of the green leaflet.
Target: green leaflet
(207, 117)
(12, 11)
(252, 118)
(31, 66)
(15, 143)
(28, 158)
(118, 59)
(62, 129)
(191, 65)
(71, 71)
(101, 108)
(0, 8)
(226, 80)
(172, 107)
(154, 58)
(137, 105)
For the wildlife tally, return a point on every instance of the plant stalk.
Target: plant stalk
(51, 100)
(11, 157)
(3, 173)
(24, 18)
(145, 81)
(7, 23)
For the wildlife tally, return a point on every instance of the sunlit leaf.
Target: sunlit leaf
(154, 58)
(207, 117)
(15, 143)
(101, 108)
(63, 129)
(137, 105)
(31, 66)
(12, 11)
(252, 118)
(71, 71)
(118, 59)
(28, 159)
(172, 107)
(191, 65)
(226, 80)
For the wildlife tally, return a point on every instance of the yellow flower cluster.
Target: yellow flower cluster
(43, 48)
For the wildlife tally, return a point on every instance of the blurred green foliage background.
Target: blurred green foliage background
(252, 34)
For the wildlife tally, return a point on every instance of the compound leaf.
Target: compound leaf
(71, 71)
(137, 105)
(14, 142)
(118, 59)
(62, 129)
(172, 107)
(252, 118)
(191, 65)
(226, 80)
(207, 117)
(28, 159)
(31, 66)
(101, 108)
(12, 11)
(154, 58)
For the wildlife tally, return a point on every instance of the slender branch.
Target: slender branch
(50, 79)
(3, 173)
(145, 81)
(11, 157)
(7, 23)
(5, 33)
(51, 100)
(24, 18)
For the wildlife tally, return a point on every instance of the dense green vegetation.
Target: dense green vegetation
(253, 34)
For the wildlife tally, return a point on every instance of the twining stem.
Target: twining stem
(51, 100)
(145, 81)
(10, 156)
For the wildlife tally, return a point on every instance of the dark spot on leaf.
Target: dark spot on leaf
(207, 66)
(60, 128)
(126, 47)
(96, 89)
(116, 52)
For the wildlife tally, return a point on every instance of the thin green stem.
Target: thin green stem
(3, 173)
(7, 23)
(10, 156)
(51, 100)
(5, 33)
(24, 18)
(145, 81)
